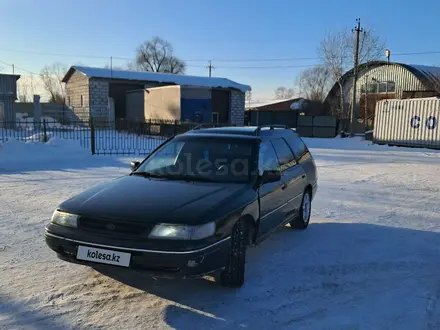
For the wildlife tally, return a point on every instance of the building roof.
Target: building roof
(168, 78)
(16, 76)
(429, 76)
(285, 104)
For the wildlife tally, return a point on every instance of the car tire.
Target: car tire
(233, 275)
(303, 218)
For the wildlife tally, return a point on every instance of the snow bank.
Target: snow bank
(358, 143)
(13, 152)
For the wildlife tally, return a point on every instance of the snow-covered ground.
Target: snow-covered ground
(370, 258)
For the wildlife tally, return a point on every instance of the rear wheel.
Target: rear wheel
(303, 218)
(233, 275)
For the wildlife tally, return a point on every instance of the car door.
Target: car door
(303, 157)
(272, 196)
(293, 174)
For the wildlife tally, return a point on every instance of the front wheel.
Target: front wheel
(303, 218)
(233, 275)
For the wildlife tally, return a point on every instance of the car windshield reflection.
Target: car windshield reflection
(216, 160)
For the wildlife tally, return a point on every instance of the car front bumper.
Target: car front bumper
(169, 264)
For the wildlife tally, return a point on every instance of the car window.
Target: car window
(267, 159)
(298, 146)
(207, 159)
(166, 156)
(285, 155)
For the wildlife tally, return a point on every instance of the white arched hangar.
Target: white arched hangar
(380, 80)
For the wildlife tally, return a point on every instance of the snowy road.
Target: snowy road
(369, 260)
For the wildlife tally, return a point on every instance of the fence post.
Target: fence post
(175, 127)
(44, 131)
(92, 136)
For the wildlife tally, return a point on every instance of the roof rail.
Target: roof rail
(257, 131)
(208, 125)
(196, 127)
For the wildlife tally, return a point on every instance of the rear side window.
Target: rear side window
(267, 158)
(298, 146)
(285, 155)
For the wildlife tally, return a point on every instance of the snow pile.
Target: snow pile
(298, 105)
(358, 143)
(13, 151)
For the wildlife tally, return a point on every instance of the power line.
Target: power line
(14, 67)
(286, 59)
(54, 54)
(200, 60)
(417, 53)
(25, 70)
(5, 63)
(257, 60)
(128, 58)
(269, 67)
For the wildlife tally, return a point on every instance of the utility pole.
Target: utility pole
(366, 102)
(210, 67)
(111, 66)
(13, 69)
(357, 30)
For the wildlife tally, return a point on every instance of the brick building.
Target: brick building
(102, 93)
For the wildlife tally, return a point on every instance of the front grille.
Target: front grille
(111, 227)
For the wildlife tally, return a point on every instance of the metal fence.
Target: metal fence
(317, 126)
(288, 118)
(121, 137)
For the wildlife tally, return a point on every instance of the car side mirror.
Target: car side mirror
(270, 176)
(134, 165)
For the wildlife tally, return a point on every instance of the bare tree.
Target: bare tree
(248, 97)
(26, 89)
(314, 83)
(157, 55)
(115, 67)
(52, 76)
(282, 93)
(336, 51)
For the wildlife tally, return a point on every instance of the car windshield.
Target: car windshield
(202, 159)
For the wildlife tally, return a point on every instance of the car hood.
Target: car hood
(153, 200)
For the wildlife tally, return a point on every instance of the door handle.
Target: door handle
(303, 176)
(284, 186)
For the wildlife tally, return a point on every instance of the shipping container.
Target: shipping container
(409, 122)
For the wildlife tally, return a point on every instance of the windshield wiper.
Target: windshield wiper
(149, 175)
(174, 177)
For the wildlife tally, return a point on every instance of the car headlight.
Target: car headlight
(183, 232)
(65, 219)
